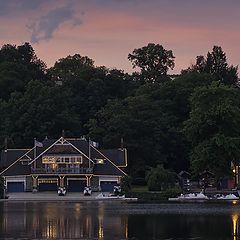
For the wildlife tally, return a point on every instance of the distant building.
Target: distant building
(70, 163)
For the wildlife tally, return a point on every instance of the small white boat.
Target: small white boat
(103, 196)
(109, 196)
(227, 197)
(190, 196)
(201, 197)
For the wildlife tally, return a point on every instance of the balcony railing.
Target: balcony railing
(62, 170)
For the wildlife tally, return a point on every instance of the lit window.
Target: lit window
(100, 161)
(78, 160)
(61, 159)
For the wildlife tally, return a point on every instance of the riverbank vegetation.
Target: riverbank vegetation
(188, 121)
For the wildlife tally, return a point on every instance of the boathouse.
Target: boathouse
(64, 162)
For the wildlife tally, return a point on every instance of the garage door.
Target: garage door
(15, 186)
(107, 186)
(47, 186)
(76, 185)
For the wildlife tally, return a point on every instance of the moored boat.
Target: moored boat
(190, 196)
(103, 196)
(227, 197)
(201, 197)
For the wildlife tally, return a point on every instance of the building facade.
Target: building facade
(69, 163)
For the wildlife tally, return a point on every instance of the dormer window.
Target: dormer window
(25, 161)
(99, 160)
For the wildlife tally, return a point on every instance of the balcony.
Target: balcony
(61, 170)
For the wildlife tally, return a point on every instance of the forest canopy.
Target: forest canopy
(188, 121)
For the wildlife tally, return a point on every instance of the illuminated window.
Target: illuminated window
(78, 160)
(47, 159)
(62, 159)
(99, 160)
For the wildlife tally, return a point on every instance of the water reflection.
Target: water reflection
(61, 221)
(102, 221)
(235, 223)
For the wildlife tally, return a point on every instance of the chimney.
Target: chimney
(122, 143)
(63, 133)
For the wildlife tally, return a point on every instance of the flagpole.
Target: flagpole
(89, 152)
(34, 153)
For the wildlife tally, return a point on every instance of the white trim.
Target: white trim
(43, 152)
(108, 178)
(63, 141)
(114, 181)
(81, 152)
(98, 175)
(15, 180)
(76, 179)
(17, 175)
(55, 180)
(16, 149)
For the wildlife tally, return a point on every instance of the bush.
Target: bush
(172, 192)
(155, 196)
(159, 179)
(126, 184)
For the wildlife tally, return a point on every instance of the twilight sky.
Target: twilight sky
(107, 30)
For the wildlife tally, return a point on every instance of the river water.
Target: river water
(115, 220)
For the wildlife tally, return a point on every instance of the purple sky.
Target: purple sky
(107, 30)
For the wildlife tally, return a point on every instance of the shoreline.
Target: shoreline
(53, 197)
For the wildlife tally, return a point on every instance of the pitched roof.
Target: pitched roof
(10, 155)
(108, 168)
(113, 157)
(118, 156)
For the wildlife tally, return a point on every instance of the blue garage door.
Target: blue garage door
(15, 186)
(107, 186)
(47, 187)
(76, 185)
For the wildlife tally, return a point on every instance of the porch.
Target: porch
(62, 170)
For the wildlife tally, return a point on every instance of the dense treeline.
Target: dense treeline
(190, 121)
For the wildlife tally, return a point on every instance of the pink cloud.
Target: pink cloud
(109, 36)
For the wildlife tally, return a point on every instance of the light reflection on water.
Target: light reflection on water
(111, 220)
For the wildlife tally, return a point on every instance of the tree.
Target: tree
(154, 62)
(41, 111)
(159, 179)
(213, 129)
(91, 87)
(215, 63)
(150, 122)
(18, 66)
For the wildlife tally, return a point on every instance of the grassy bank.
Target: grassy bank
(142, 193)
